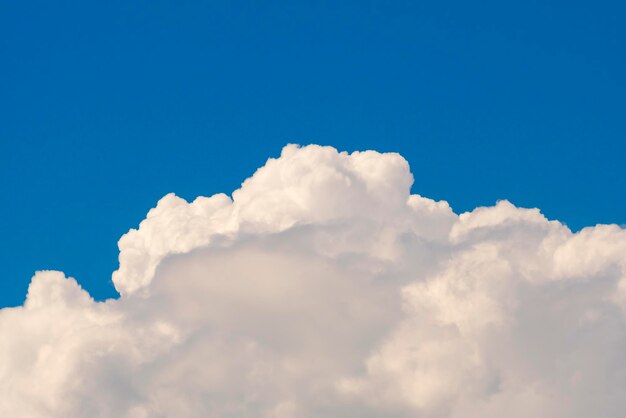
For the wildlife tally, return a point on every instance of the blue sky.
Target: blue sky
(107, 106)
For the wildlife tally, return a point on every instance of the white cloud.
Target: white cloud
(324, 289)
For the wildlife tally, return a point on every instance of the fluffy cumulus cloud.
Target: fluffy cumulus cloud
(323, 288)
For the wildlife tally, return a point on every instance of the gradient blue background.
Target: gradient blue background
(107, 106)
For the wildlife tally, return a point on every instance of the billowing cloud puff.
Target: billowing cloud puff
(323, 288)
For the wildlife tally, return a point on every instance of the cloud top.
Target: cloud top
(324, 288)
